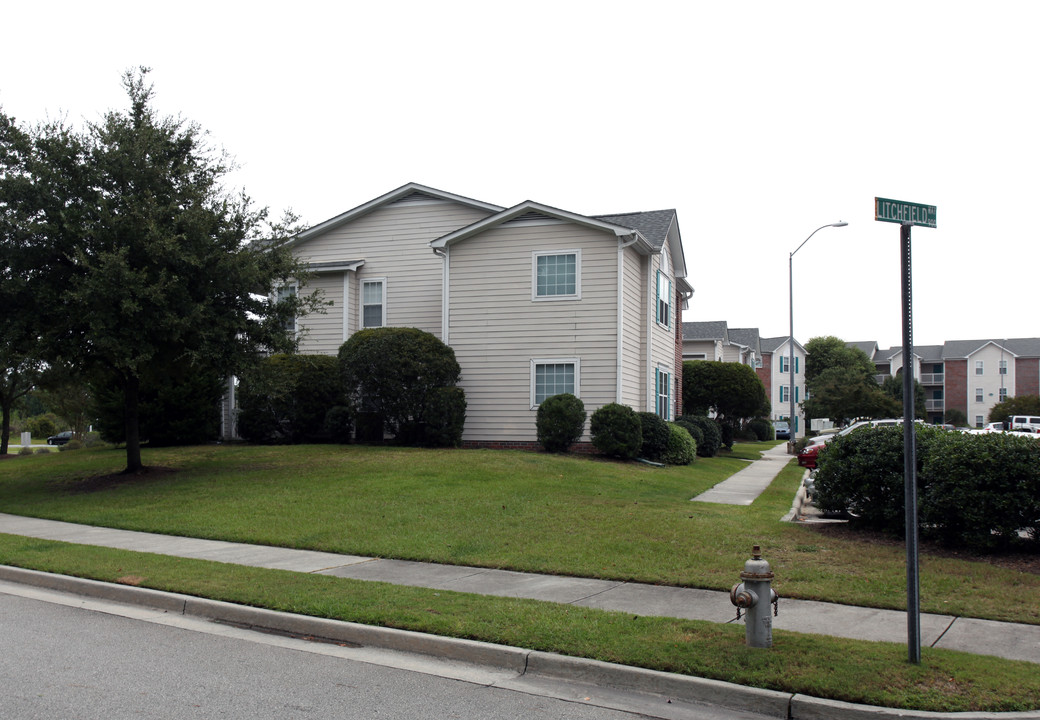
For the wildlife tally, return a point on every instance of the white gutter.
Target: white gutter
(621, 309)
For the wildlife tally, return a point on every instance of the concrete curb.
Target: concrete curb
(526, 663)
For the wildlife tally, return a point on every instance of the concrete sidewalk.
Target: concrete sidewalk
(1007, 640)
(744, 487)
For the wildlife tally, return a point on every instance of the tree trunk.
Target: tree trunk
(131, 389)
(5, 428)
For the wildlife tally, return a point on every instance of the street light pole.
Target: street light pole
(790, 340)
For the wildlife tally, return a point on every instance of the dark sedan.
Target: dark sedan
(60, 439)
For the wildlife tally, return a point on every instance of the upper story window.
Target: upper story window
(978, 367)
(284, 292)
(1003, 367)
(979, 395)
(664, 299)
(557, 275)
(373, 303)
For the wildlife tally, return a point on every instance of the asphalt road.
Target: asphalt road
(64, 661)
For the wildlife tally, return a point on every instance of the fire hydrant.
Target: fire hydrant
(754, 596)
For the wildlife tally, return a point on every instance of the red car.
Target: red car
(807, 457)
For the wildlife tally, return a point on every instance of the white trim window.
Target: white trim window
(784, 366)
(283, 292)
(664, 300)
(979, 395)
(373, 303)
(554, 376)
(556, 275)
(785, 393)
(979, 367)
(663, 393)
(1003, 367)
(1002, 395)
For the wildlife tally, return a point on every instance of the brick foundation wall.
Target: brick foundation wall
(955, 387)
(1027, 376)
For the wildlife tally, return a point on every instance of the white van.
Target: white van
(1029, 423)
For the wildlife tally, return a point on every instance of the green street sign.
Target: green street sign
(904, 213)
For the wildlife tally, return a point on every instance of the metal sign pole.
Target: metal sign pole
(913, 600)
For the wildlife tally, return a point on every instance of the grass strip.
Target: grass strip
(849, 670)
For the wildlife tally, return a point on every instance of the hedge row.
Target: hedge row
(974, 490)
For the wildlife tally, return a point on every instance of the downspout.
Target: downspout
(651, 307)
(442, 253)
(621, 309)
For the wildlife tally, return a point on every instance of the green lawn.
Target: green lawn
(513, 510)
(533, 512)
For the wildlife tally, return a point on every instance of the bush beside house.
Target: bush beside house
(287, 399)
(396, 374)
(616, 431)
(560, 422)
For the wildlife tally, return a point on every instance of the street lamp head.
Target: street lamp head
(840, 223)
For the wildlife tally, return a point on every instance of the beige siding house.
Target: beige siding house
(375, 265)
(533, 300)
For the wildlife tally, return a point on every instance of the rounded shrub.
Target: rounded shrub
(71, 445)
(980, 490)
(695, 432)
(681, 448)
(762, 429)
(560, 422)
(445, 417)
(862, 473)
(339, 423)
(286, 398)
(712, 435)
(42, 425)
(655, 436)
(25, 450)
(393, 373)
(616, 431)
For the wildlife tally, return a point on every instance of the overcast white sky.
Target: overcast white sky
(757, 121)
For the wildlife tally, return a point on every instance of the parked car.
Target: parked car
(783, 430)
(807, 457)
(60, 439)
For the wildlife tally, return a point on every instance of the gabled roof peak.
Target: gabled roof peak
(406, 194)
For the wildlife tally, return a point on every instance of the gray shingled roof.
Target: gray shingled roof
(1021, 347)
(772, 344)
(653, 225)
(713, 330)
(870, 347)
(929, 353)
(748, 337)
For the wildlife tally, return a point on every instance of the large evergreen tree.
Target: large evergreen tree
(158, 265)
